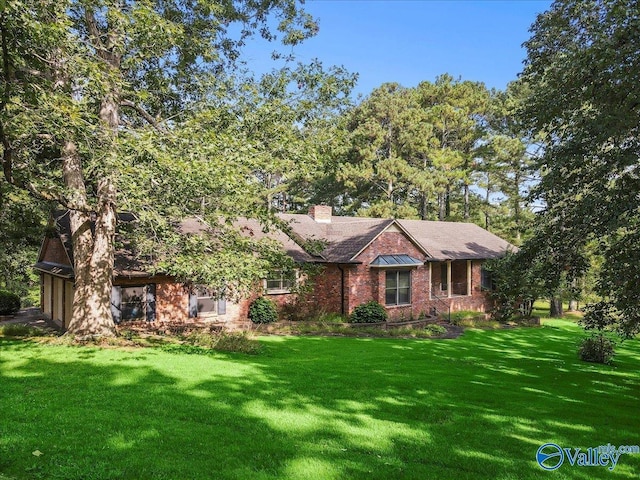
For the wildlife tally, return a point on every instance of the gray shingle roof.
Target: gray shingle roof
(345, 237)
(456, 240)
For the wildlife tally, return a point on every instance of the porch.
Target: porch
(451, 279)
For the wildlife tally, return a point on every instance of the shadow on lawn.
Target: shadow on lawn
(478, 407)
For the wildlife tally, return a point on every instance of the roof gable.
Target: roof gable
(346, 238)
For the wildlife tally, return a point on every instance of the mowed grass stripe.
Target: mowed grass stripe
(317, 407)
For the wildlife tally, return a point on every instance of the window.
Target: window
(398, 287)
(280, 282)
(486, 280)
(203, 301)
(133, 303)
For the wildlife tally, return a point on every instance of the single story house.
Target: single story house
(411, 267)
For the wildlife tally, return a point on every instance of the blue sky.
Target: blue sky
(408, 41)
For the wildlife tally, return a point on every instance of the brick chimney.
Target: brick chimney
(320, 213)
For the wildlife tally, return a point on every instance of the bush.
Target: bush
(263, 310)
(435, 330)
(203, 343)
(9, 303)
(370, 312)
(20, 330)
(597, 348)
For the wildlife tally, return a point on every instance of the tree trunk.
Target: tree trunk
(555, 310)
(466, 201)
(442, 211)
(573, 305)
(487, 205)
(92, 251)
(516, 208)
(423, 206)
(447, 202)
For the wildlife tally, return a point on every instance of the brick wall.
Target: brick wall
(325, 296)
(172, 302)
(366, 283)
(363, 283)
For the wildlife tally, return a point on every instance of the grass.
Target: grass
(354, 330)
(317, 407)
(541, 310)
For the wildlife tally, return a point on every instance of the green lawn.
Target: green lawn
(317, 408)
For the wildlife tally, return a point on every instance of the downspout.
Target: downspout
(341, 289)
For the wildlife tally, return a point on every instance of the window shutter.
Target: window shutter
(116, 296)
(222, 306)
(193, 305)
(151, 302)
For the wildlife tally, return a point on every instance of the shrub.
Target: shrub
(435, 330)
(370, 312)
(596, 348)
(329, 317)
(9, 303)
(202, 342)
(20, 330)
(263, 310)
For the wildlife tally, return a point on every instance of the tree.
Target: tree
(508, 165)
(410, 150)
(383, 133)
(21, 224)
(457, 111)
(583, 70)
(97, 109)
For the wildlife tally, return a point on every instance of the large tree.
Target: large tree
(583, 69)
(102, 108)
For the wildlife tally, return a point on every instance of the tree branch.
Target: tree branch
(94, 31)
(144, 114)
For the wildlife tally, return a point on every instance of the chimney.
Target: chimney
(320, 213)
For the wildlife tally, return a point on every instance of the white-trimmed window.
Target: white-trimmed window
(133, 303)
(280, 282)
(398, 287)
(204, 302)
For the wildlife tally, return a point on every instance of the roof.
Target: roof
(255, 230)
(346, 237)
(456, 240)
(343, 239)
(126, 262)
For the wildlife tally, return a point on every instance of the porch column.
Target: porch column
(449, 289)
(469, 277)
(430, 284)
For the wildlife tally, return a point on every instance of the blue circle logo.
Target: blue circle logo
(550, 456)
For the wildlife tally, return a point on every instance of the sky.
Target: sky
(409, 41)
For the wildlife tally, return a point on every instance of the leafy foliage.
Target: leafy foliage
(370, 312)
(582, 73)
(9, 303)
(22, 223)
(263, 310)
(143, 107)
(597, 348)
(516, 285)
